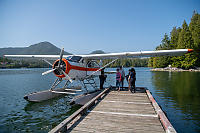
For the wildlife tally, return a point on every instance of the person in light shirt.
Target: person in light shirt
(121, 70)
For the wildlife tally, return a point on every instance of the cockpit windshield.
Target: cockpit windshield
(74, 58)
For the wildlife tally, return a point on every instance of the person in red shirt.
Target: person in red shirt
(118, 79)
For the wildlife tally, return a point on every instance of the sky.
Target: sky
(82, 26)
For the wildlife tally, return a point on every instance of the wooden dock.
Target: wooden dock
(118, 112)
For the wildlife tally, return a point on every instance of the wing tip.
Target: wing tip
(190, 50)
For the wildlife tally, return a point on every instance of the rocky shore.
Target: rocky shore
(174, 69)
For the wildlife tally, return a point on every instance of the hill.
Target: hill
(44, 48)
(98, 52)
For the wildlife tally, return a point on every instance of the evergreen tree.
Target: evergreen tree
(150, 62)
(185, 41)
(185, 37)
(175, 61)
(163, 61)
(194, 27)
(174, 37)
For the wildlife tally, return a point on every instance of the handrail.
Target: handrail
(63, 125)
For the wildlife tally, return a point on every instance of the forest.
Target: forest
(184, 37)
(8, 63)
(135, 62)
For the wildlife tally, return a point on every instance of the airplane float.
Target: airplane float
(83, 68)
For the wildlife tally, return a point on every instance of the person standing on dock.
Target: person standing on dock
(127, 78)
(121, 70)
(102, 78)
(132, 79)
(118, 79)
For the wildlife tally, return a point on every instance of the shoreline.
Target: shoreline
(174, 69)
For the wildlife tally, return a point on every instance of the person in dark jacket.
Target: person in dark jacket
(127, 78)
(132, 79)
(102, 78)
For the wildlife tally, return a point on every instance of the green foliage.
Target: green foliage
(174, 37)
(194, 27)
(150, 62)
(165, 60)
(186, 37)
(165, 43)
(128, 62)
(8, 63)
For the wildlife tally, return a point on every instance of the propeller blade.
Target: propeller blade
(49, 71)
(67, 76)
(61, 56)
(47, 62)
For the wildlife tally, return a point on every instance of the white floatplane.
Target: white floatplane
(83, 68)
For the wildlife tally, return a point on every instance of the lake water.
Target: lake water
(178, 93)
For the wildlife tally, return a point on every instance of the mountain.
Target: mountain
(44, 48)
(98, 52)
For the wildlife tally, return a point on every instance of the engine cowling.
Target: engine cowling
(64, 65)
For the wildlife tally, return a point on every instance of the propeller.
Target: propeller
(47, 62)
(59, 67)
(67, 76)
(61, 56)
(49, 71)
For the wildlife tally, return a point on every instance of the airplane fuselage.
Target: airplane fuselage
(77, 70)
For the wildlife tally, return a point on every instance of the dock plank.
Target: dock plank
(121, 112)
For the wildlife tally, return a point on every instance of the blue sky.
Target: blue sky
(82, 26)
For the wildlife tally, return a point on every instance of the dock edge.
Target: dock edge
(164, 120)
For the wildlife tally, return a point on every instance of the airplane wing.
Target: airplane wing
(48, 57)
(176, 52)
(139, 54)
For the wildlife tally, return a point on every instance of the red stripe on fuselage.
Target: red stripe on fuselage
(83, 68)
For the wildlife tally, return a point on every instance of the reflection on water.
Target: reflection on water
(177, 93)
(180, 96)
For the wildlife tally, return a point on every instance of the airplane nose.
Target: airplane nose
(64, 66)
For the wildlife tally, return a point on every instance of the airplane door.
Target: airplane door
(92, 64)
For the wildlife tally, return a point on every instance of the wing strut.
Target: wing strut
(101, 68)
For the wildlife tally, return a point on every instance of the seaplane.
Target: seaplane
(83, 68)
